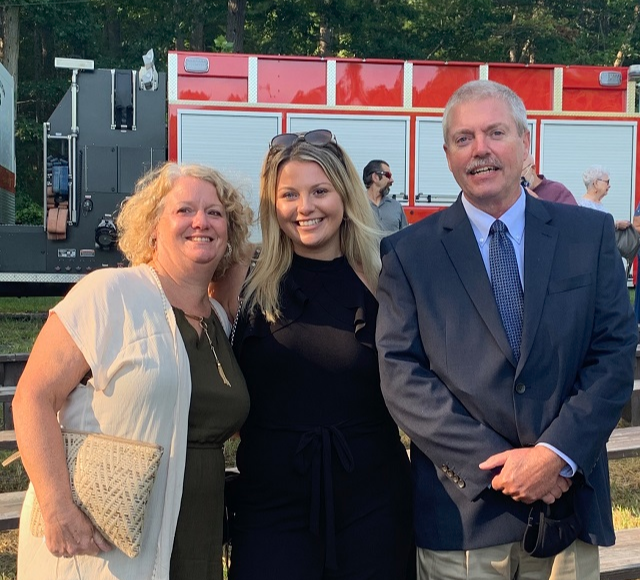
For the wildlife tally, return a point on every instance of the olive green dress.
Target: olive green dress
(216, 412)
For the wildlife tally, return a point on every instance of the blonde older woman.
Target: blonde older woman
(324, 488)
(161, 370)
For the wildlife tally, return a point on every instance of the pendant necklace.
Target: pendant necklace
(203, 325)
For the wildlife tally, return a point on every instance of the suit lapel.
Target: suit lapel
(539, 247)
(461, 246)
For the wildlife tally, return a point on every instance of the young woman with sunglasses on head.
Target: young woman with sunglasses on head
(325, 489)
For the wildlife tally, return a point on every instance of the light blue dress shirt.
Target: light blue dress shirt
(513, 218)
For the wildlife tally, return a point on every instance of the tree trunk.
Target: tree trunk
(626, 44)
(325, 44)
(236, 10)
(513, 55)
(47, 50)
(177, 11)
(11, 40)
(196, 39)
(11, 48)
(326, 40)
(113, 31)
(197, 35)
(36, 51)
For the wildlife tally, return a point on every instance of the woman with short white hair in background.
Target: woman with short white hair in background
(596, 180)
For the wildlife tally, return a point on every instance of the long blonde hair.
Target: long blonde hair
(139, 216)
(359, 234)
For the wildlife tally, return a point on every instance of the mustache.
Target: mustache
(476, 164)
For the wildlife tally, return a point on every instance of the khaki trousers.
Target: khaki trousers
(580, 561)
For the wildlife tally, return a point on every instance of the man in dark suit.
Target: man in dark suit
(506, 354)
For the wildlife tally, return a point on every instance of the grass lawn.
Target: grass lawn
(20, 321)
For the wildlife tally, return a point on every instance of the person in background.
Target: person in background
(378, 181)
(324, 490)
(636, 304)
(161, 370)
(544, 188)
(506, 408)
(596, 180)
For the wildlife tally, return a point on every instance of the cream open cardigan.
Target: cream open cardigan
(124, 326)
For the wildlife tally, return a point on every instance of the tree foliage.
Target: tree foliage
(115, 34)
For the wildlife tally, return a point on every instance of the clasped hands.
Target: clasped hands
(71, 533)
(528, 474)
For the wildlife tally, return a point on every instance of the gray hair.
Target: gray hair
(593, 173)
(478, 90)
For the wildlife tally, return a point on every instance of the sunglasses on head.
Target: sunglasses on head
(317, 137)
(386, 174)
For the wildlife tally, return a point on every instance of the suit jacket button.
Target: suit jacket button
(456, 478)
(520, 388)
(461, 483)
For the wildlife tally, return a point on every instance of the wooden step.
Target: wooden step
(631, 411)
(11, 367)
(10, 506)
(624, 442)
(622, 561)
(7, 393)
(8, 440)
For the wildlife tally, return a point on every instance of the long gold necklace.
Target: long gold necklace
(203, 325)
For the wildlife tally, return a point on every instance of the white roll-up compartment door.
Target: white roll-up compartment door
(365, 138)
(569, 147)
(234, 143)
(434, 182)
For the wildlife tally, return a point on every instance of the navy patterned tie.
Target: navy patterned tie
(505, 281)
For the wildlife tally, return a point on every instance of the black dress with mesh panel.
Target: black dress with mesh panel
(325, 484)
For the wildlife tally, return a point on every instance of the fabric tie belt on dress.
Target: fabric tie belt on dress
(314, 451)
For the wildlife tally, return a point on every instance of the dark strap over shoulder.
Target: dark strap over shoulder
(252, 265)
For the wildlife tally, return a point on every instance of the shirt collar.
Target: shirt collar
(513, 218)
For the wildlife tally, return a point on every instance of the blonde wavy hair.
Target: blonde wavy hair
(359, 234)
(139, 215)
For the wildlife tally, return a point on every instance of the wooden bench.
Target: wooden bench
(8, 440)
(11, 367)
(622, 561)
(623, 443)
(10, 506)
(6, 397)
(631, 411)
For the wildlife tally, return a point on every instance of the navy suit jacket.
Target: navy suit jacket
(452, 384)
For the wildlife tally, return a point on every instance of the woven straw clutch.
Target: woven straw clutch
(111, 481)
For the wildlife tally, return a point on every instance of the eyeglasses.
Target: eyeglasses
(386, 174)
(317, 137)
(604, 180)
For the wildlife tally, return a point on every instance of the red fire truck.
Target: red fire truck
(7, 152)
(223, 109)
